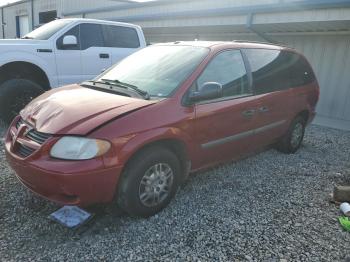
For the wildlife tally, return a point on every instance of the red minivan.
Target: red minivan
(135, 132)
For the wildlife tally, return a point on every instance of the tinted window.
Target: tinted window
(118, 36)
(91, 36)
(275, 70)
(228, 69)
(74, 31)
(301, 72)
(46, 17)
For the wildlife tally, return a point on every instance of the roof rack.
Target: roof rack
(261, 42)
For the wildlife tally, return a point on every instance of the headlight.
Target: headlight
(79, 148)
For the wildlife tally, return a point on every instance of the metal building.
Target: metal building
(318, 28)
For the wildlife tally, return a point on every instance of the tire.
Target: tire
(292, 140)
(15, 94)
(140, 183)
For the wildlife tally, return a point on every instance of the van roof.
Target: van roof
(234, 43)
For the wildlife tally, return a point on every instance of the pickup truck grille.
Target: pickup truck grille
(33, 135)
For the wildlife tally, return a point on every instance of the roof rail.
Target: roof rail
(261, 42)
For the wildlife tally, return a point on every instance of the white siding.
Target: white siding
(330, 58)
(44, 6)
(10, 14)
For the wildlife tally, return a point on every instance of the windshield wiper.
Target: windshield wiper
(27, 37)
(143, 93)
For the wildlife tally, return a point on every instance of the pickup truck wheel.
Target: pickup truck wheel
(149, 182)
(292, 140)
(15, 94)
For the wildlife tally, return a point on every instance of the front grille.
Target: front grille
(38, 137)
(33, 135)
(24, 151)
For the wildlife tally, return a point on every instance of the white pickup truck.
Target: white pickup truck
(61, 52)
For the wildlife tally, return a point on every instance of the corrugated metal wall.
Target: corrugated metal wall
(330, 58)
(44, 6)
(10, 14)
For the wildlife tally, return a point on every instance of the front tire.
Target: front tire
(149, 182)
(292, 140)
(15, 94)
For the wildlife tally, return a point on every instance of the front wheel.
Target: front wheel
(149, 182)
(15, 94)
(292, 140)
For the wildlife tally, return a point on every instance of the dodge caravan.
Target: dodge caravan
(135, 132)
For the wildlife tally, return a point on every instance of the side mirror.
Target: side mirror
(70, 40)
(209, 90)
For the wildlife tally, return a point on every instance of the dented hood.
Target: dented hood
(77, 110)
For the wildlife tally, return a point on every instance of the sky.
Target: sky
(5, 2)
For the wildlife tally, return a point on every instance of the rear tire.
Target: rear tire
(292, 140)
(15, 94)
(149, 182)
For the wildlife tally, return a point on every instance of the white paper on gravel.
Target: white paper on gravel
(70, 216)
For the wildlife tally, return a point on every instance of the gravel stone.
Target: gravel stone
(269, 207)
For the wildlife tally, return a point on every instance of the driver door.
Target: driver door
(224, 126)
(68, 59)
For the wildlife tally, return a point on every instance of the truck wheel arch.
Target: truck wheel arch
(24, 70)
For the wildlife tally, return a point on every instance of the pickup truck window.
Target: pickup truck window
(74, 31)
(91, 36)
(46, 31)
(120, 36)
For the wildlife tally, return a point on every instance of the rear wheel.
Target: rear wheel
(149, 182)
(15, 94)
(293, 139)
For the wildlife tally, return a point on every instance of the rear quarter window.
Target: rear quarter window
(275, 70)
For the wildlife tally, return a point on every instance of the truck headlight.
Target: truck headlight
(79, 148)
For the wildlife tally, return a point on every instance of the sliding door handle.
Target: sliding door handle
(248, 113)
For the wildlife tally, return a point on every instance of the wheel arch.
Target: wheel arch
(26, 70)
(174, 145)
(304, 114)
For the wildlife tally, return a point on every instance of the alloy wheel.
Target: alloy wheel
(155, 185)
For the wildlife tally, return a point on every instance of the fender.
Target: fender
(136, 142)
(8, 57)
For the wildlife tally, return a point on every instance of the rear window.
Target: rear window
(275, 70)
(119, 36)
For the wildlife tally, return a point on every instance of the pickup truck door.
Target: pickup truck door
(95, 56)
(68, 60)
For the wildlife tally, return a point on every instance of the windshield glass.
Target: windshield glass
(158, 70)
(44, 32)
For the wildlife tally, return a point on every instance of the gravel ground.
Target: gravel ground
(269, 207)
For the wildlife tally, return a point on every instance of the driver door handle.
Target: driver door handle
(264, 109)
(248, 113)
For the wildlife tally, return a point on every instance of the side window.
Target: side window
(275, 70)
(120, 36)
(74, 31)
(300, 71)
(270, 70)
(228, 69)
(91, 36)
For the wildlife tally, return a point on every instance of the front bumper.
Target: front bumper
(79, 183)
